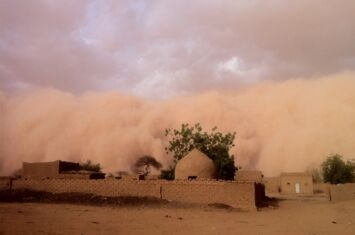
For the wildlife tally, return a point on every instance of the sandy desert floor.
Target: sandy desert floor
(293, 216)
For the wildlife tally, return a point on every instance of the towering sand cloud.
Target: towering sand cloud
(281, 126)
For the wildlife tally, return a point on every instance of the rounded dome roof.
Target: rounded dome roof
(197, 164)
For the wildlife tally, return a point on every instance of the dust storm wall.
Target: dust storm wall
(281, 126)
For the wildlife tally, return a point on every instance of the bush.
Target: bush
(143, 164)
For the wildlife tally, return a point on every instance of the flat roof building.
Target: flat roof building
(296, 183)
(57, 170)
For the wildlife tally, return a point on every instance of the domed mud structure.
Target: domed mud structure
(195, 165)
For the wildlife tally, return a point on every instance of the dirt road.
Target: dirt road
(292, 217)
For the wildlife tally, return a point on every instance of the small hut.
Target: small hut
(195, 165)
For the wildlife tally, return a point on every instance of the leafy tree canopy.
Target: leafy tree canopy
(336, 171)
(143, 164)
(214, 144)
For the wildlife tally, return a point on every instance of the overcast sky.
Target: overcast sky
(156, 48)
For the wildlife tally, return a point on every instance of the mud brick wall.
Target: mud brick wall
(40, 170)
(342, 192)
(272, 185)
(254, 176)
(238, 195)
(100, 187)
(321, 187)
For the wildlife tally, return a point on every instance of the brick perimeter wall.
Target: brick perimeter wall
(342, 192)
(100, 187)
(321, 187)
(238, 195)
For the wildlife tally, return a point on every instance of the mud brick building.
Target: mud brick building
(57, 170)
(296, 183)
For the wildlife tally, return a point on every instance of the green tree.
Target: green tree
(214, 144)
(90, 166)
(143, 164)
(336, 171)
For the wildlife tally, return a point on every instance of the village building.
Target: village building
(60, 176)
(272, 185)
(296, 183)
(195, 165)
(57, 170)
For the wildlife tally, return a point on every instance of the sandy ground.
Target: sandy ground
(304, 216)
